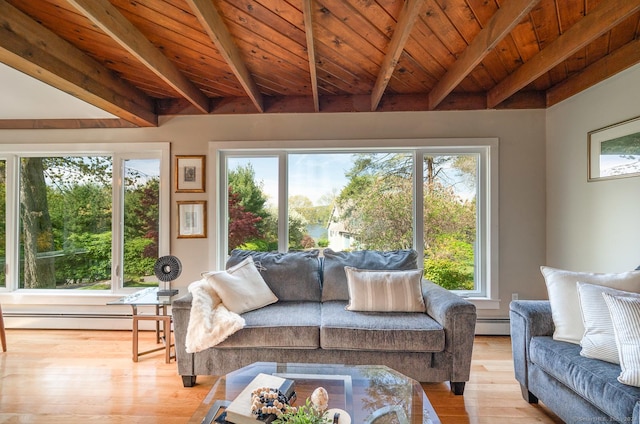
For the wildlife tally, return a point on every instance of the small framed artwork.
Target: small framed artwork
(190, 174)
(614, 151)
(192, 219)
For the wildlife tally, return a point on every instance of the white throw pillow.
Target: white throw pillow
(384, 291)
(241, 287)
(625, 315)
(563, 296)
(599, 340)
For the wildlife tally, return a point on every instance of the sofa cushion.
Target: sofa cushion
(334, 280)
(594, 380)
(625, 315)
(563, 295)
(241, 287)
(282, 325)
(382, 331)
(292, 276)
(384, 291)
(599, 341)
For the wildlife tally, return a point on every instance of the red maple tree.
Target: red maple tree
(242, 224)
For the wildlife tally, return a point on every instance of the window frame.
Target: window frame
(119, 152)
(487, 192)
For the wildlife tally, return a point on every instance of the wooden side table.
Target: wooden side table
(149, 297)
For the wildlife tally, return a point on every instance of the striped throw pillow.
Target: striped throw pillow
(599, 340)
(384, 291)
(625, 315)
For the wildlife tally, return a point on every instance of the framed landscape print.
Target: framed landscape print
(190, 174)
(614, 151)
(192, 219)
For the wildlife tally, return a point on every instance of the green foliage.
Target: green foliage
(375, 207)
(136, 264)
(449, 263)
(242, 181)
(248, 217)
(297, 229)
(259, 245)
(86, 259)
(314, 215)
(79, 202)
(305, 414)
(323, 242)
(378, 212)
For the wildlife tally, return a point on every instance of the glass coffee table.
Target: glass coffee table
(371, 394)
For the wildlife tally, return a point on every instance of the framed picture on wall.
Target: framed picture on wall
(190, 174)
(192, 219)
(614, 151)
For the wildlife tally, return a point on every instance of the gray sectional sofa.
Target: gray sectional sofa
(576, 388)
(309, 322)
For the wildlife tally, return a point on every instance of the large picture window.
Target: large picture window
(86, 221)
(435, 199)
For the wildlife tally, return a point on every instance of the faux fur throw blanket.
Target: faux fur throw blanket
(210, 321)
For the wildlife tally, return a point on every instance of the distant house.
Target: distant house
(338, 236)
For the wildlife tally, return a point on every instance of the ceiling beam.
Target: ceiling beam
(617, 61)
(498, 27)
(311, 51)
(406, 20)
(214, 25)
(604, 17)
(353, 103)
(30, 48)
(63, 124)
(113, 23)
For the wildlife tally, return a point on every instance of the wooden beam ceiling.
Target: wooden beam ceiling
(406, 20)
(311, 51)
(227, 57)
(212, 22)
(606, 15)
(500, 25)
(110, 20)
(34, 50)
(621, 59)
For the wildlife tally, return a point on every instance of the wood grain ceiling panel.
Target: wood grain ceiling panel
(192, 51)
(59, 17)
(262, 61)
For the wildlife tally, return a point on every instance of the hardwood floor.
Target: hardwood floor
(63, 376)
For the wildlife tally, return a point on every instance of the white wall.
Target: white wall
(522, 163)
(591, 226)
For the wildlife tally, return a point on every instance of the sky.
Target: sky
(315, 175)
(310, 175)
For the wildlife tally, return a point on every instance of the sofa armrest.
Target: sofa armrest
(458, 318)
(181, 312)
(528, 319)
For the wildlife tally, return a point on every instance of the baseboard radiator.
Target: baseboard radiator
(492, 327)
(85, 321)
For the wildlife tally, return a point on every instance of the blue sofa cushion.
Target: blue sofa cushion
(381, 331)
(284, 325)
(594, 380)
(334, 280)
(292, 276)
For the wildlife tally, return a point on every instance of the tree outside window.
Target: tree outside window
(363, 200)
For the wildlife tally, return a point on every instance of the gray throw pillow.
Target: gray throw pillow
(292, 276)
(334, 280)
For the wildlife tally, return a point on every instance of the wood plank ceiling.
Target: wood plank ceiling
(139, 59)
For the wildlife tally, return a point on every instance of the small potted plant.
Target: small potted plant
(305, 414)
